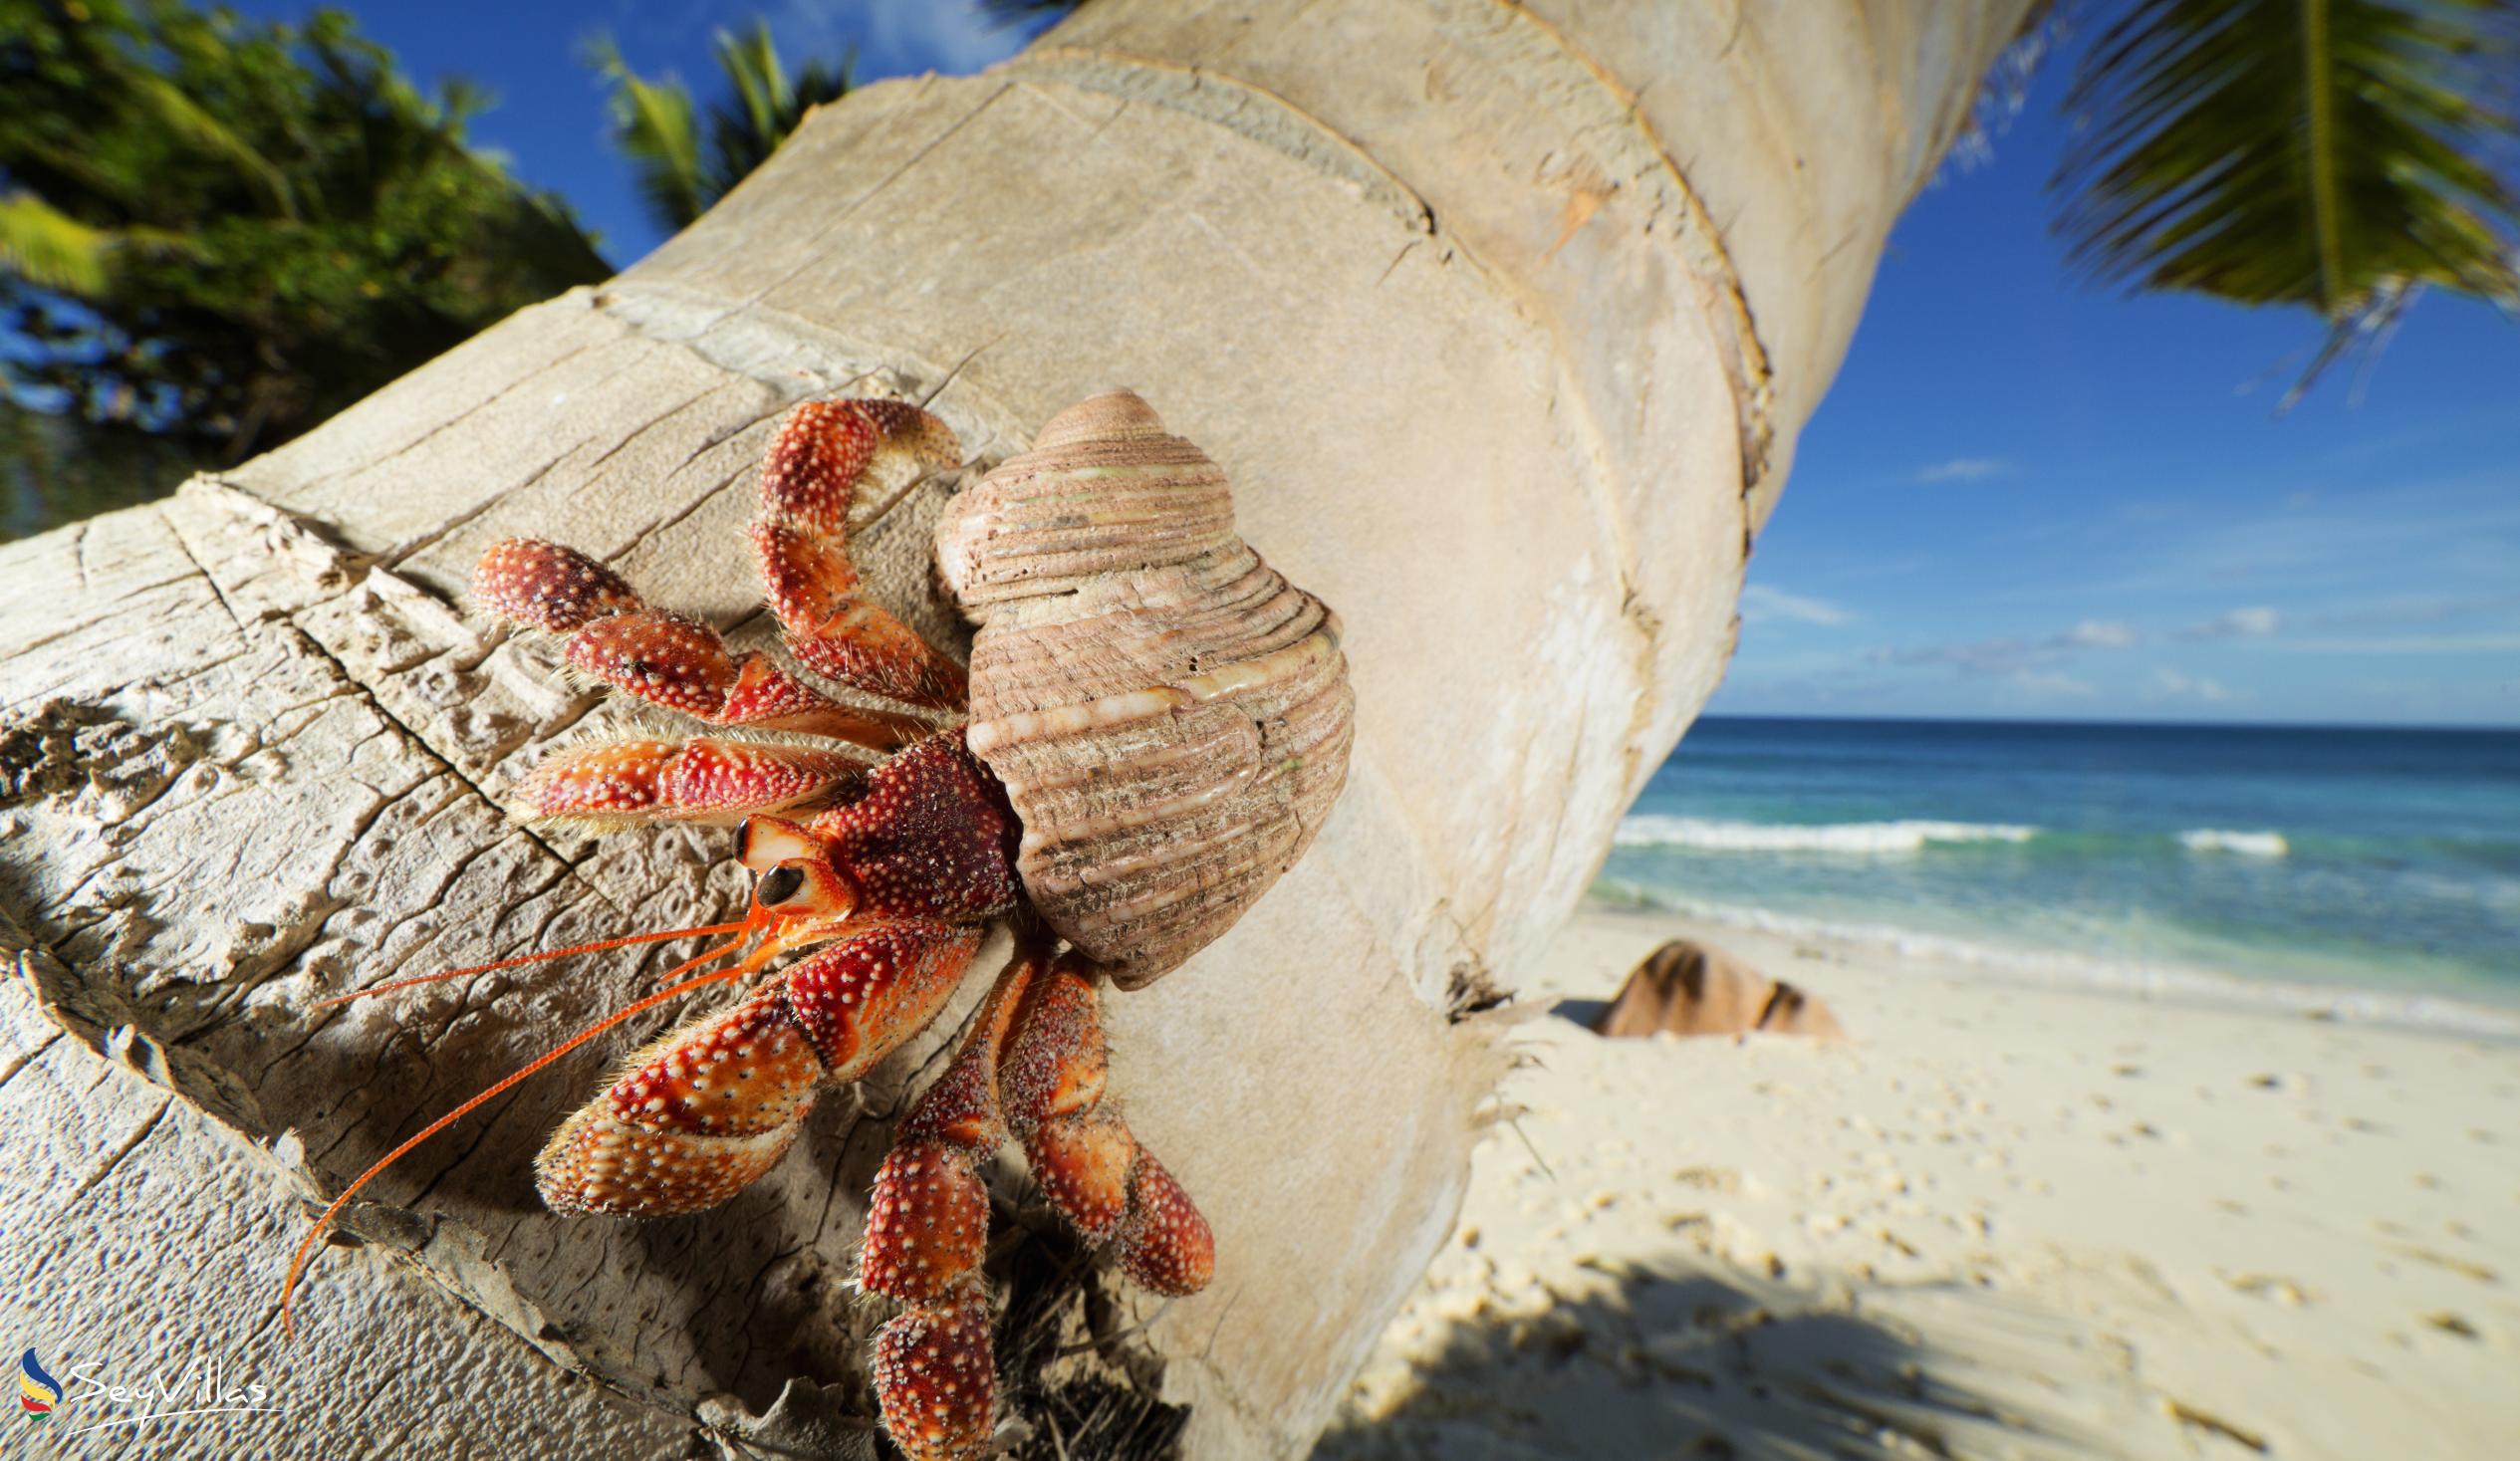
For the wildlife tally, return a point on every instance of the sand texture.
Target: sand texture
(2011, 1218)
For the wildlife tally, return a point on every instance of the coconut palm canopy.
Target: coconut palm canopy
(684, 163)
(229, 229)
(2334, 155)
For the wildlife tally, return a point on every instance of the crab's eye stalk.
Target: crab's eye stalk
(768, 842)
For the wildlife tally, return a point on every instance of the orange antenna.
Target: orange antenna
(600, 945)
(306, 1248)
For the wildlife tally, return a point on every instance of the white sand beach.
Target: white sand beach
(2013, 1218)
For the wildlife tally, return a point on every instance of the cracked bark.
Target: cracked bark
(1439, 282)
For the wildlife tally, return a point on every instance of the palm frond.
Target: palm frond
(2335, 155)
(459, 100)
(226, 229)
(769, 106)
(656, 127)
(52, 249)
(751, 64)
(184, 118)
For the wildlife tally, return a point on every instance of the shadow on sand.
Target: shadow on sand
(1585, 1013)
(1697, 1361)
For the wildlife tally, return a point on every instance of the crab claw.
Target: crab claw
(667, 660)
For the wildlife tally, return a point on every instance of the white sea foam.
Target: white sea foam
(2132, 975)
(2246, 844)
(1648, 830)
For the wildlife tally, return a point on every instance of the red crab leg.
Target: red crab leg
(1089, 1165)
(708, 1108)
(926, 1231)
(695, 780)
(668, 660)
(1034, 1066)
(808, 483)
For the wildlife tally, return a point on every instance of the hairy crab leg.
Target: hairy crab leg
(808, 481)
(702, 779)
(926, 1231)
(1088, 1164)
(1032, 1066)
(667, 660)
(921, 866)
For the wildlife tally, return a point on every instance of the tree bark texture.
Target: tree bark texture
(1503, 320)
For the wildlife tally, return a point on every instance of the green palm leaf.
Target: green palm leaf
(226, 229)
(751, 63)
(49, 249)
(182, 116)
(656, 127)
(682, 168)
(52, 249)
(2328, 154)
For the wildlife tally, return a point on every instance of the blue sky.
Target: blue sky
(2029, 497)
(2024, 496)
(550, 121)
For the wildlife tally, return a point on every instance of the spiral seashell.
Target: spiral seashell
(1171, 716)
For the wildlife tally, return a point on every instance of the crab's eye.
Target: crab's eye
(780, 884)
(805, 888)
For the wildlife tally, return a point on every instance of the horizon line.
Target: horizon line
(2473, 728)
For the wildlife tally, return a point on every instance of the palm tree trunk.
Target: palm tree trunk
(1503, 319)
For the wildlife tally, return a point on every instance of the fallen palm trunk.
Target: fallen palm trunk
(1502, 318)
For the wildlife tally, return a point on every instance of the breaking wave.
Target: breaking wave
(1648, 829)
(2149, 976)
(2244, 844)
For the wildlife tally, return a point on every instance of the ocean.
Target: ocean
(2375, 860)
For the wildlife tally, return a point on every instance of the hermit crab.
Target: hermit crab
(1152, 726)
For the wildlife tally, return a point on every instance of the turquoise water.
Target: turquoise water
(2385, 860)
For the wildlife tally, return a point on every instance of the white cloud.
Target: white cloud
(1965, 469)
(2256, 619)
(2443, 538)
(2014, 658)
(2399, 610)
(2096, 634)
(1763, 604)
